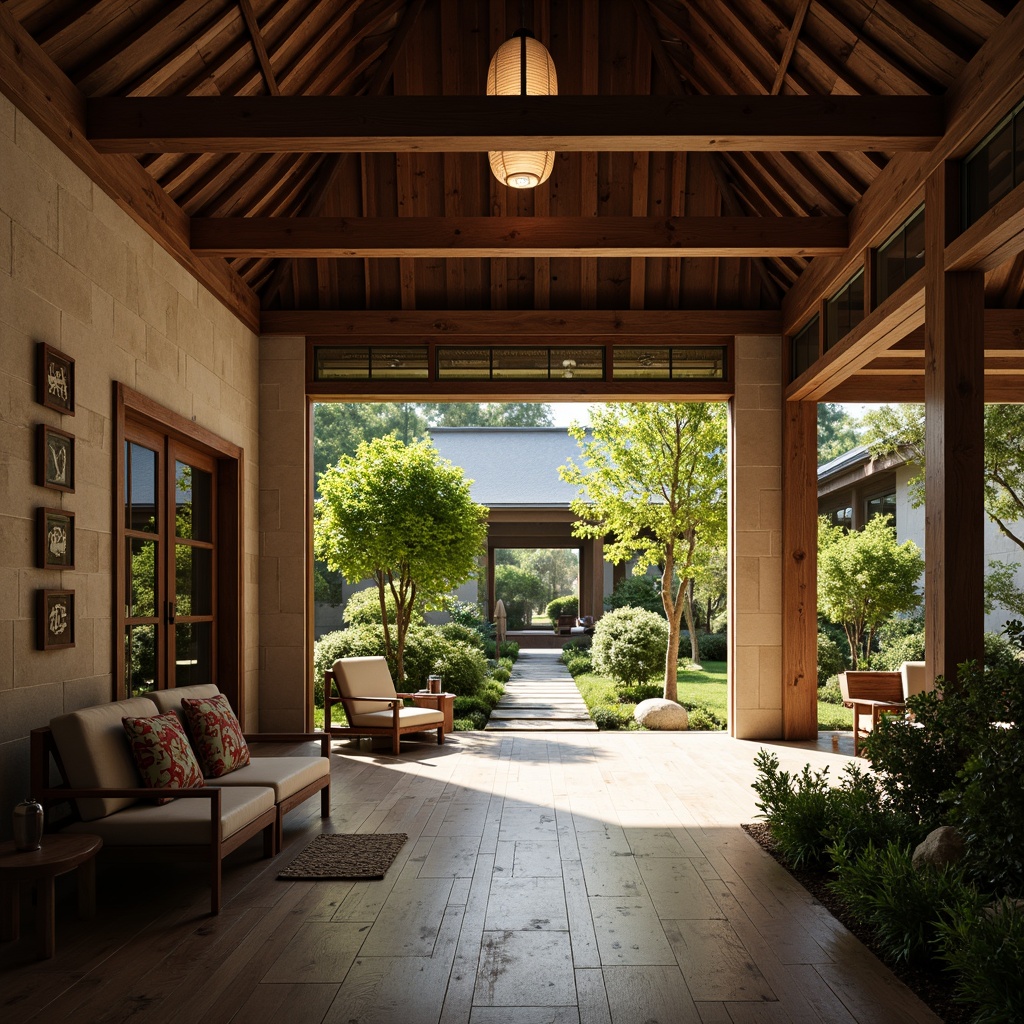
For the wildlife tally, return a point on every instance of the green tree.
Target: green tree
(520, 590)
(1001, 588)
(557, 568)
(837, 432)
(901, 429)
(403, 516)
(653, 478)
(340, 427)
(864, 578)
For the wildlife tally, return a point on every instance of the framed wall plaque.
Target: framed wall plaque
(56, 458)
(56, 619)
(56, 380)
(55, 531)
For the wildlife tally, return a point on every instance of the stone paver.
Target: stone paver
(540, 695)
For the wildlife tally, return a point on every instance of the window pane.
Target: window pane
(140, 587)
(193, 653)
(633, 363)
(193, 584)
(140, 660)
(577, 363)
(402, 363)
(139, 488)
(345, 363)
(194, 502)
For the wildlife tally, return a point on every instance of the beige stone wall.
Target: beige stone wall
(284, 539)
(78, 273)
(755, 540)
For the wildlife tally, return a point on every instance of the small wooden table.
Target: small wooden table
(58, 855)
(426, 699)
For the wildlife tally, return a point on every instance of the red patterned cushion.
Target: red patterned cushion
(217, 735)
(162, 752)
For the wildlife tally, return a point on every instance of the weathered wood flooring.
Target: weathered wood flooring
(573, 878)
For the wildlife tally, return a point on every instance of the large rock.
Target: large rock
(940, 847)
(658, 713)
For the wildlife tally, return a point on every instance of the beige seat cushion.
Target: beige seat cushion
(180, 822)
(425, 718)
(96, 753)
(364, 677)
(284, 775)
(915, 679)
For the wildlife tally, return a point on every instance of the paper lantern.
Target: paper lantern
(522, 66)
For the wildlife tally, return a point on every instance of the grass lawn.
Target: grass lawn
(708, 687)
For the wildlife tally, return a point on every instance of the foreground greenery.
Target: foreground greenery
(959, 764)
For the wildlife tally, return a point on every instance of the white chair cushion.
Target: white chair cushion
(364, 677)
(427, 718)
(180, 822)
(915, 679)
(284, 775)
(96, 753)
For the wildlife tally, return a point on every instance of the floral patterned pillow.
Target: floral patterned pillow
(218, 736)
(162, 752)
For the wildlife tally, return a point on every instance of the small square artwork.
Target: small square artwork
(56, 619)
(56, 458)
(56, 533)
(56, 380)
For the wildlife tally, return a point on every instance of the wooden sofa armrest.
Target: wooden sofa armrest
(323, 738)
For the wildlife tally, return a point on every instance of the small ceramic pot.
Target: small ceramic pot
(28, 825)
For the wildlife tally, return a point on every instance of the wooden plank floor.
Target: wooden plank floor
(597, 878)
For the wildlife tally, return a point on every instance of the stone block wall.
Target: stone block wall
(755, 540)
(78, 273)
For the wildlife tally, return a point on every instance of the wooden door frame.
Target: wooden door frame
(130, 406)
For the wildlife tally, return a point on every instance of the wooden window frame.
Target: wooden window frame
(134, 410)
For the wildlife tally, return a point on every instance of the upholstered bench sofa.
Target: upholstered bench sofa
(101, 779)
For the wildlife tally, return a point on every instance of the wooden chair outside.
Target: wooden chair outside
(871, 695)
(364, 688)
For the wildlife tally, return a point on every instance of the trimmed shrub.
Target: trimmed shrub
(639, 691)
(713, 646)
(464, 707)
(581, 645)
(355, 642)
(501, 674)
(466, 613)
(464, 634)
(579, 663)
(831, 660)
(630, 645)
(637, 592)
(830, 693)
(462, 669)
(568, 605)
(509, 649)
(607, 716)
(363, 608)
(701, 717)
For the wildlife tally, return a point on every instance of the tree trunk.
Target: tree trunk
(673, 605)
(692, 627)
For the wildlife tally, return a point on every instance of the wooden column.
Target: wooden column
(799, 571)
(954, 387)
(591, 578)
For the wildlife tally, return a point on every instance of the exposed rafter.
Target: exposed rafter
(519, 236)
(439, 124)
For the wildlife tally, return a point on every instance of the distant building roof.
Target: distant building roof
(511, 465)
(844, 461)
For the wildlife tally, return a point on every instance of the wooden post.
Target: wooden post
(490, 583)
(799, 571)
(954, 386)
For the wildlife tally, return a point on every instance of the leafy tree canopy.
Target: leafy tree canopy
(653, 478)
(864, 578)
(901, 428)
(837, 432)
(400, 515)
(487, 414)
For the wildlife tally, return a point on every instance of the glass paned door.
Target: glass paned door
(143, 582)
(192, 577)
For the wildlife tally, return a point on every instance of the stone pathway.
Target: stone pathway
(540, 696)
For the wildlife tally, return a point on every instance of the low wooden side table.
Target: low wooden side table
(426, 699)
(58, 855)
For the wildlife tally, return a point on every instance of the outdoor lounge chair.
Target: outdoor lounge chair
(871, 695)
(364, 688)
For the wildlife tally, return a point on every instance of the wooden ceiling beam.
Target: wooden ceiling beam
(342, 237)
(986, 91)
(438, 124)
(45, 95)
(499, 323)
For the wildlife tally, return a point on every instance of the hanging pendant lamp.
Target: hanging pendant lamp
(522, 66)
